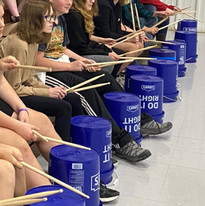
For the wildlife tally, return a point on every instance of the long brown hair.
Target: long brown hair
(31, 22)
(79, 5)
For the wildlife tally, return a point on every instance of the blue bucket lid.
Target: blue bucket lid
(162, 52)
(66, 198)
(146, 78)
(73, 154)
(140, 68)
(85, 121)
(190, 22)
(162, 62)
(121, 97)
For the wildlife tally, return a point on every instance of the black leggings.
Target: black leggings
(60, 109)
(5, 108)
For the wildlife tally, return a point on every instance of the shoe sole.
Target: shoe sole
(147, 132)
(135, 159)
(108, 199)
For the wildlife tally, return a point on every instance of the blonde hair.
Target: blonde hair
(31, 22)
(1, 3)
(124, 2)
(79, 5)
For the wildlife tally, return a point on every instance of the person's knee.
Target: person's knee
(65, 108)
(23, 146)
(7, 169)
(44, 119)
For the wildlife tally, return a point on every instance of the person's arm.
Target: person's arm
(61, 66)
(23, 81)
(11, 154)
(8, 63)
(126, 28)
(12, 99)
(28, 86)
(21, 128)
(79, 39)
(158, 4)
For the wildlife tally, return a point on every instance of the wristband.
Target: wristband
(23, 109)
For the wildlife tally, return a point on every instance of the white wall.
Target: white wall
(196, 5)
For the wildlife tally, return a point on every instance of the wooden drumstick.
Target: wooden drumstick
(38, 68)
(23, 202)
(102, 64)
(32, 196)
(137, 15)
(160, 22)
(128, 38)
(170, 24)
(61, 141)
(132, 15)
(138, 50)
(54, 179)
(91, 87)
(85, 82)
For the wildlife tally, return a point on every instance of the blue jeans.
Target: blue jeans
(153, 8)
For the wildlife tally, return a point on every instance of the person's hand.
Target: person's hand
(143, 37)
(151, 30)
(8, 63)
(177, 9)
(57, 92)
(162, 14)
(108, 41)
(90, 68)
(23, 116)
(11, 154)
(25, 131)
(87, 61)
(170, 12)
(134, 39)
(114, 56)
(77, 65)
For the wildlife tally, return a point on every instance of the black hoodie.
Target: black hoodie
(108, 22)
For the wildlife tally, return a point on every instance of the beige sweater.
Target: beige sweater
(23, 81)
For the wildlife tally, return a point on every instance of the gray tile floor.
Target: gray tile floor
(175, 173)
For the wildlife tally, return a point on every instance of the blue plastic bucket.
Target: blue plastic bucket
(66, 198)
(180, 49)
(79, 168)
(190, 38)
(168, 71)
(162, 54)
(95, 132)
(138, 69)
(125, 110)
(187, 25)
(150, 91)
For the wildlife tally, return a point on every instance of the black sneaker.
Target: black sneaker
(114, 162)
(132, 152)
(153, 128)
(108, 195)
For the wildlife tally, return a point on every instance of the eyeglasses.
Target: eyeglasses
(50, 18)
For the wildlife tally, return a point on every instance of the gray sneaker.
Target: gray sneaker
(132, 152)
(153, 128)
